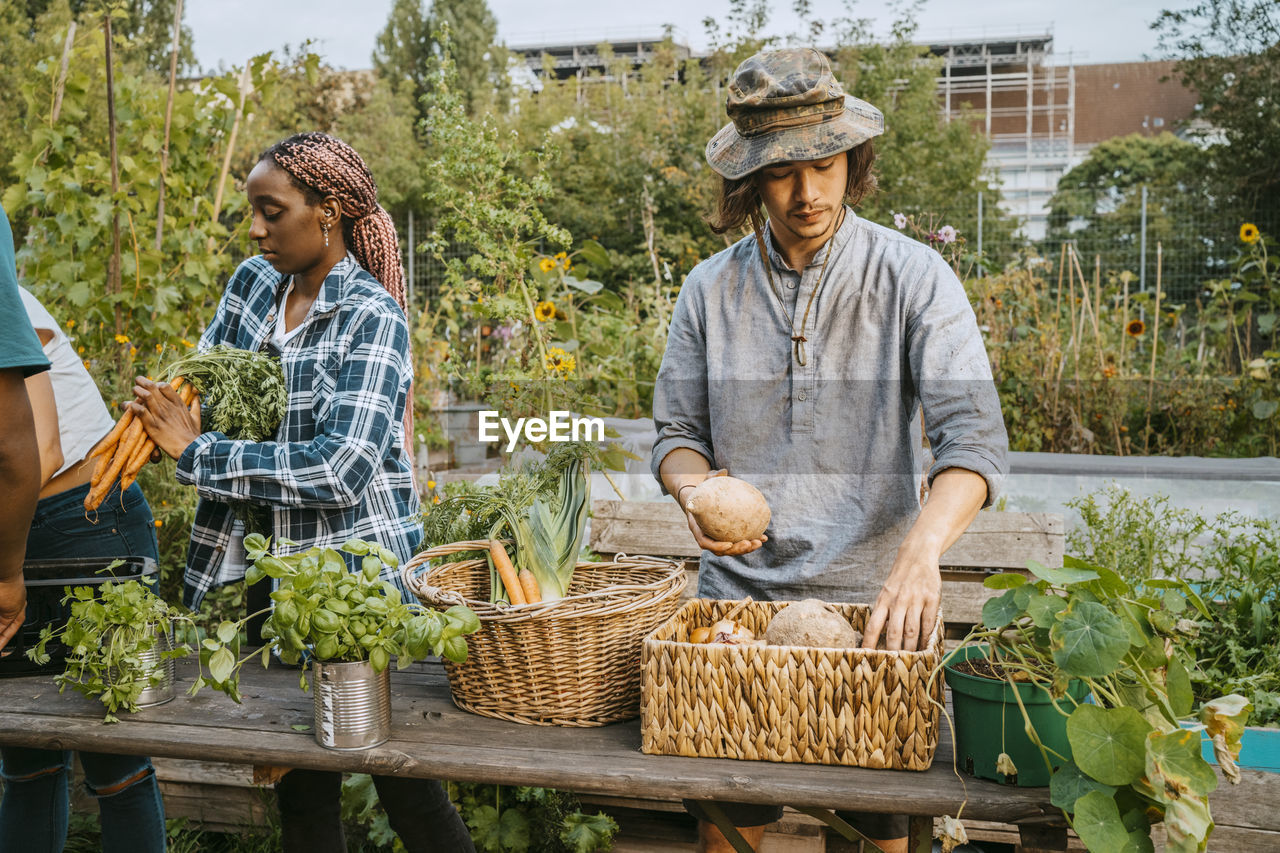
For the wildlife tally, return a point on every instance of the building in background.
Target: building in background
(1042, 112)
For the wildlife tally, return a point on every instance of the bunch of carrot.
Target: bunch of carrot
(522, 586)
(124, 450)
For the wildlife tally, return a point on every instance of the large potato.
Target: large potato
(728, 509)
(811, 623)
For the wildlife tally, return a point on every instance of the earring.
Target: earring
(324, 228)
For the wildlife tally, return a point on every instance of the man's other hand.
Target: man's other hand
(907, 607)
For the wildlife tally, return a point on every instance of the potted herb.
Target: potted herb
(119, 644)
(1130, 764)
(345, 626)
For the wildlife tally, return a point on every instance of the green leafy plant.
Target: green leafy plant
(321, 610)
(530, 820)
(242, 393)
(111, 628)
(1134, 763)
(1234, 562)
(542, 506)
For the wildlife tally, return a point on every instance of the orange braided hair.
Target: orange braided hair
(322, 165)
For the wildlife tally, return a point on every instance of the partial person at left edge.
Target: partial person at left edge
(20, 357)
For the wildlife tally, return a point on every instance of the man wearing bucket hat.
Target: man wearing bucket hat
(800, 359)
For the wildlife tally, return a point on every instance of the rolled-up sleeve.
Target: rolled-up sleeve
(681, 409)
(952, 375)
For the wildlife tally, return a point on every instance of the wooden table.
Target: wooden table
(432, 738)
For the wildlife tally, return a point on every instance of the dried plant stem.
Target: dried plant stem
(246, 85)
(168, 118)
(60, 87)
(1155, 345)
(113, 267)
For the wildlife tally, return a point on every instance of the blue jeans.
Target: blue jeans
(33, 814)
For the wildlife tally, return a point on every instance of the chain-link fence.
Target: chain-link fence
(1183, 236)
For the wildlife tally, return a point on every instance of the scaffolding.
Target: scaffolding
(1025, 104)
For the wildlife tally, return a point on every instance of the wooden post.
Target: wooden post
(168, 118)
(113, 266)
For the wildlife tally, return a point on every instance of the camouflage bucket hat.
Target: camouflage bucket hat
(786, 105)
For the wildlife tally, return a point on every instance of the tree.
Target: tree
(1098, 206)
(407, 51)
(1229, 52)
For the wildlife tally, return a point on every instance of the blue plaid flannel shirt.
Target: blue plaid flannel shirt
(338, 467)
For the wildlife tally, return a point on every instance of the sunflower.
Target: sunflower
(559, 361)
(1249, 233)
(545, 311)
(1135, 328)
(546, 265)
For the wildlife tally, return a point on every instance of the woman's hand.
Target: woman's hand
(171, 426)
(720, 549)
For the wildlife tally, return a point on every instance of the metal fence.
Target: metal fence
(1193, 238)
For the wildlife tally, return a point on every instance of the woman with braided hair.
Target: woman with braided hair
(326, 294)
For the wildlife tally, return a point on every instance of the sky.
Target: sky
(227, 32)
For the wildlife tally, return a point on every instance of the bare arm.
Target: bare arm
(20, 474)
(45, 412)
(683, 468)
(908, 604)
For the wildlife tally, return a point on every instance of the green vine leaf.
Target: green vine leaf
(1108, 744)
(1088, 640)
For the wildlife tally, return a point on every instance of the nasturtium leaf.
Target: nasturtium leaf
(1005, 580)
(1068, 784)
(221, 664)
(226, 631)
(1098, 823)
(1109, 584)
(1187, 824)
(1108, 744)
(1000, 611)
(1044, 609)
(1063, 576)
(1178, 685)
(1174, 761)
(1088, 640)
(210, 644)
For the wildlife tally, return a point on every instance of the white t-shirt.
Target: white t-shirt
(83, 418)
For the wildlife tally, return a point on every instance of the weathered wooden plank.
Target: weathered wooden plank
(995, 540)
(432, 738)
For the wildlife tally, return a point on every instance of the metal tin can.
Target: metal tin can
(162, 690)
(352, 704)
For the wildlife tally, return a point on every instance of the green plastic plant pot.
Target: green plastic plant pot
(989, 722)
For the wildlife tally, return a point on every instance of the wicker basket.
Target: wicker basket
(572, 662)
(856, 707)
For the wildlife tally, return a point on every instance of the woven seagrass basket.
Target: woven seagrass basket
(857, 707)
(572, 662)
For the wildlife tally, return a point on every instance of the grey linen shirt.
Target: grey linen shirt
(835, 444)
